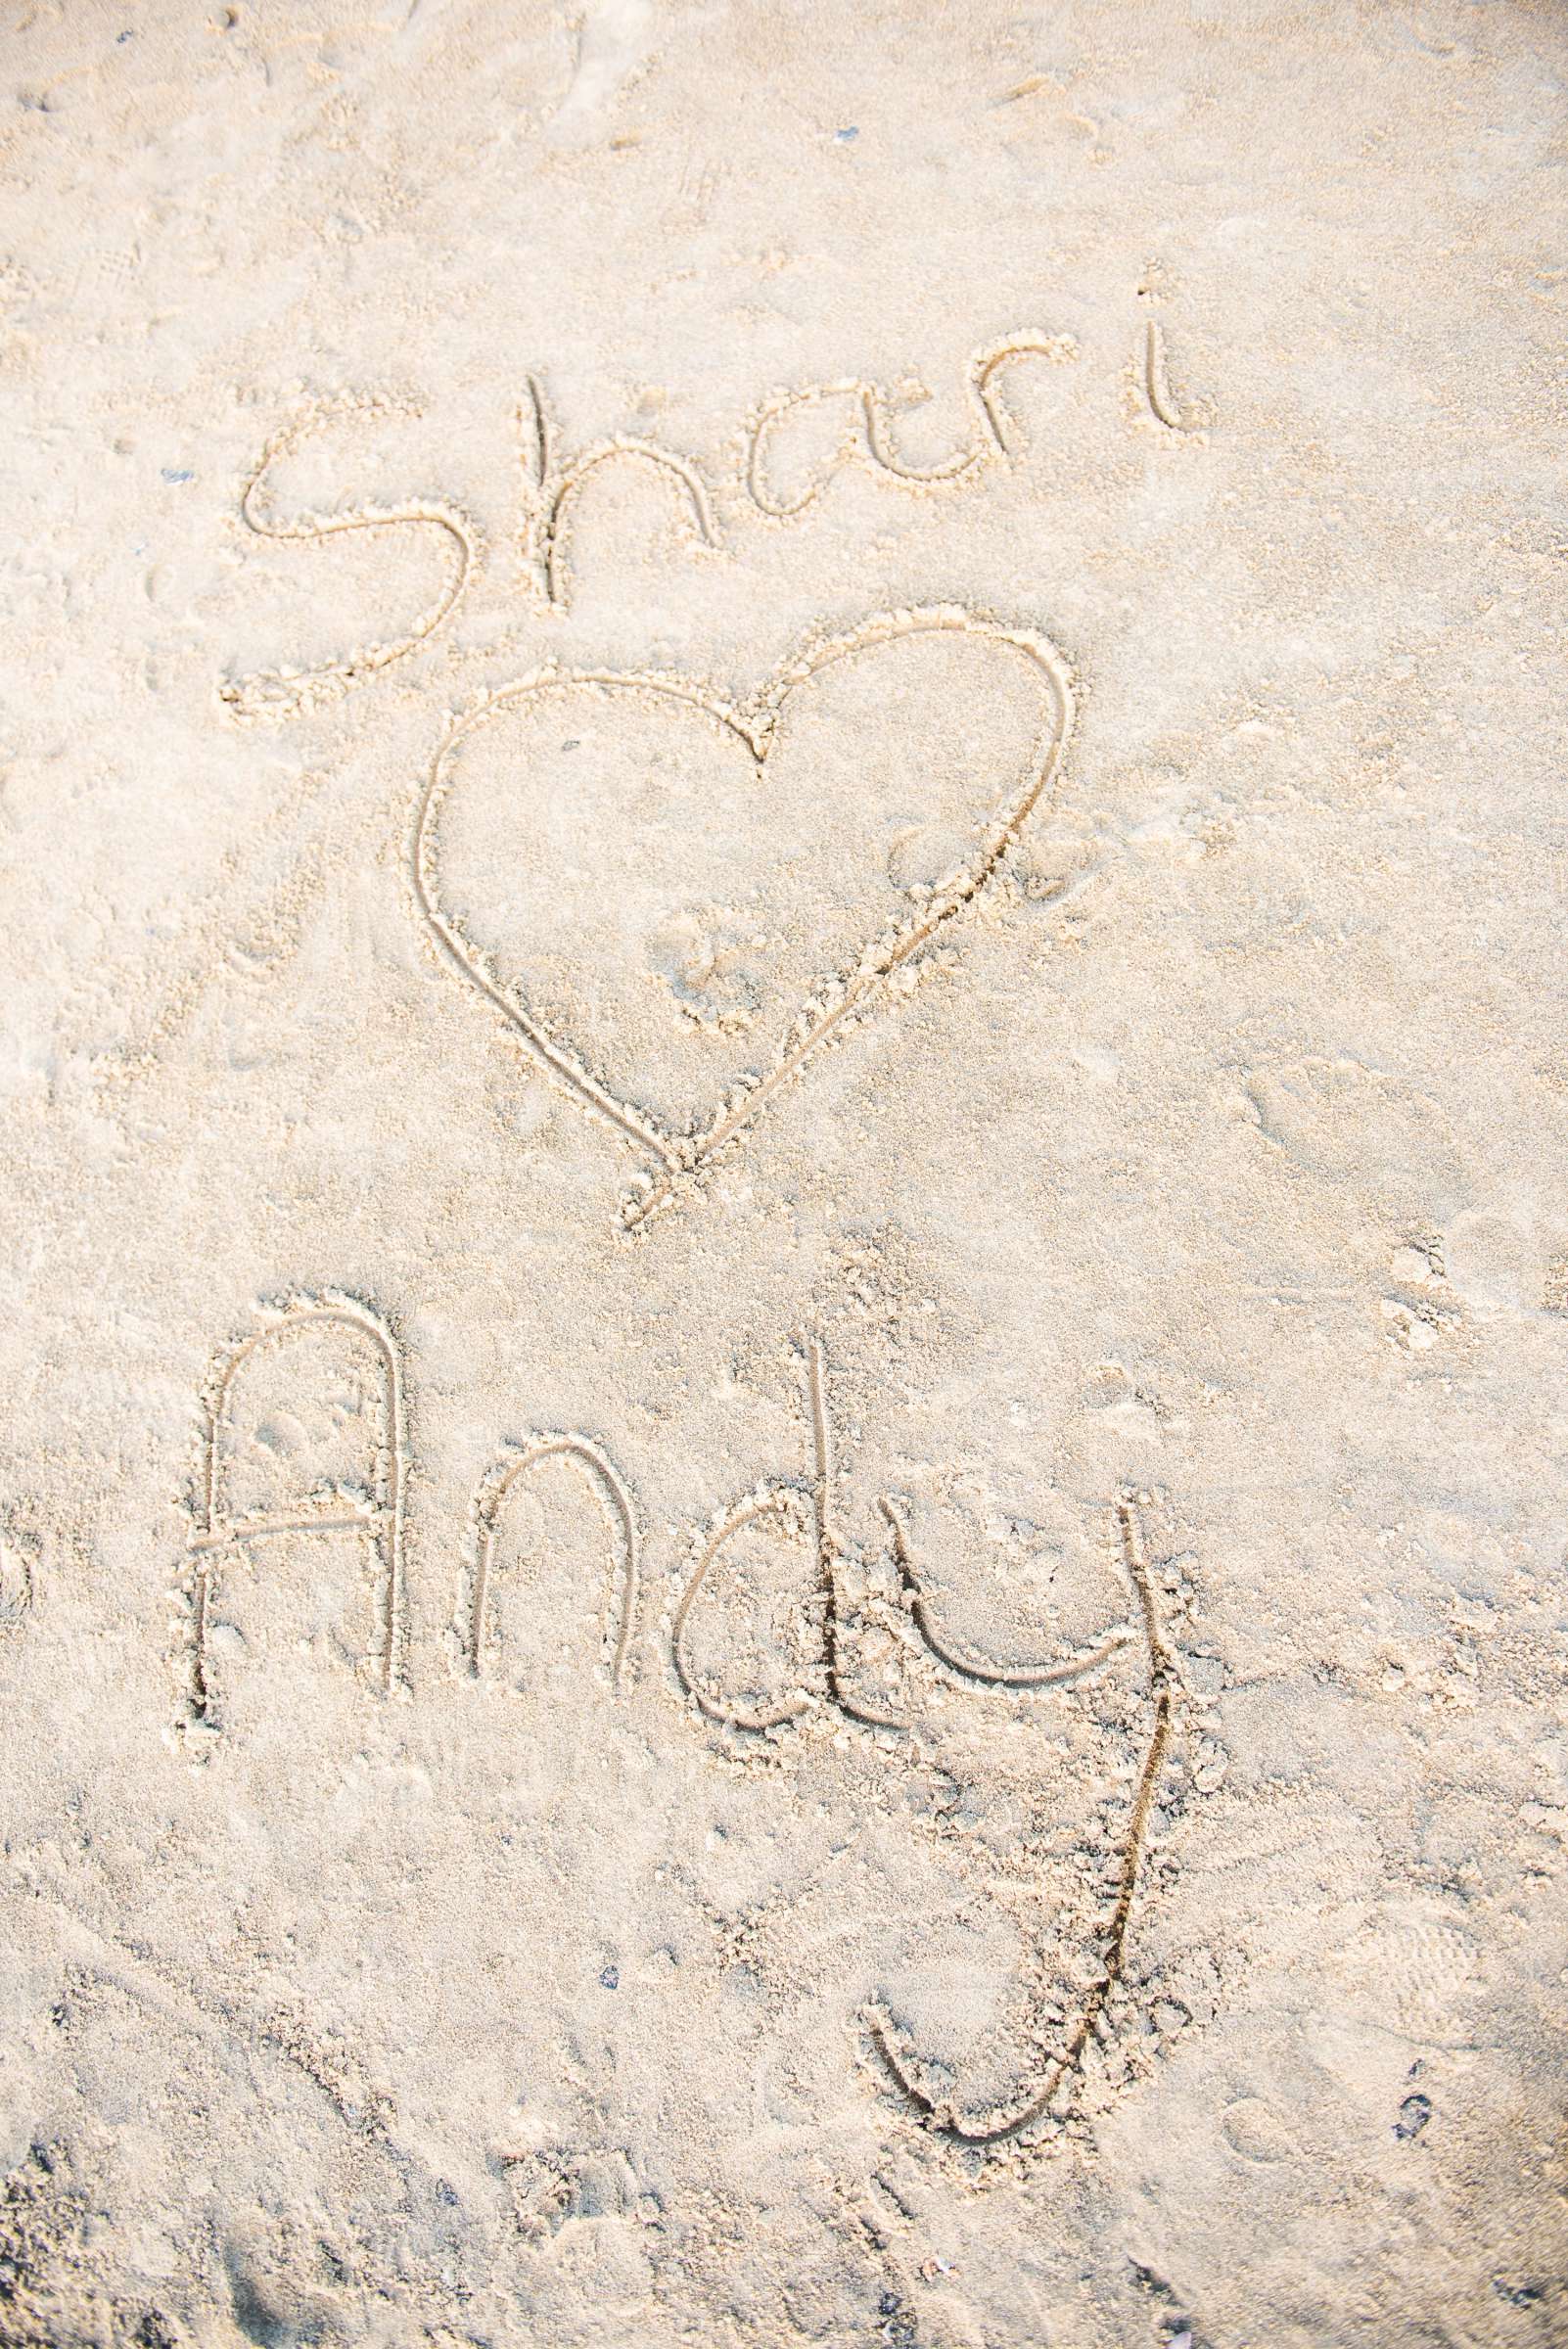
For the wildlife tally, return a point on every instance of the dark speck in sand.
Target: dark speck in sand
(851, 130)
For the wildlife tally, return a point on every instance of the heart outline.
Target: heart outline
(832, 998)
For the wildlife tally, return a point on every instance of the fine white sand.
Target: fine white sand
(786, 1132)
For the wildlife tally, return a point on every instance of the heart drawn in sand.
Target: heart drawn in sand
(676, 901)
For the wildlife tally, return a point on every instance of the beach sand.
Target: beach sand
(784, 1476)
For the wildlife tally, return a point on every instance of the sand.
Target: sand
(785, 1109)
